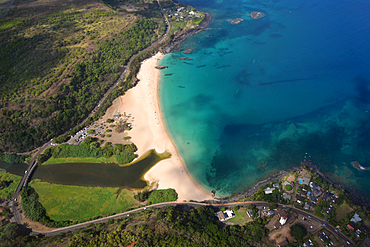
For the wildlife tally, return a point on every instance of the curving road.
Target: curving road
(196, 205)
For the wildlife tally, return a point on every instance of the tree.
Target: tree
(273, 205)
(298, 231)
(288, 187)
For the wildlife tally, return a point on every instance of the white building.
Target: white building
(225, 215)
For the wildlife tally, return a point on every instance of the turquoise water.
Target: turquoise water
(260, 96)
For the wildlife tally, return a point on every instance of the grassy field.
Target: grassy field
(342, 211)
(12, 182)
(241, 217)
(64, 202)
(52, 161)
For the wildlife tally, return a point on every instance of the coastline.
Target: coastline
(141, 104)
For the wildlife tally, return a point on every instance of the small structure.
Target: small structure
(304, 180)
(282, 213)
(286, 196)
(308, 243)
(356, 218)
(284, 243)
(299, 199)
(302, 193)
(316, 189)
(277, 225)
(226, 215)
(283, 220)
(367, 241)
(276, 185)
(116, 115)
(287, 183)
(329, 209)
(249, 214)
(269, 190)
(351, 226)
(271, 212)
(323, 236)
(306, 206)
(364, 228)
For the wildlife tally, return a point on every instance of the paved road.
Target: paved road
(195, 205)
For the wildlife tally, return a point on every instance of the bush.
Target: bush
(142, 195)
(159, 196)
(109, 120)
(298, 231)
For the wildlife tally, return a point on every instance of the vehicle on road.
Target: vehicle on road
(25, 171)
(309, 217)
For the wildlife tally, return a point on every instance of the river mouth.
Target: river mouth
(130, 176)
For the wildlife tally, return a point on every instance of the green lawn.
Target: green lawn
(241, 217)
(52, 161)
(12, 183)
(65, 202)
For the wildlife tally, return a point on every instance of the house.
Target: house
(363, 228)
(287, 183)
(323, 236)
(306, 206)
(223, 216)
(299, 199)
(277, 225)
(316, 189)
(282, 213)
(249, 214)
(286, 196)
(271, 212)
(314, 199)
(356, 218)
(303, 187)
(367, 241)
(304, 180)
(116, 115)
(269, 190)
(329, 209)
(284, 243)
(283, 220)
(351, 226)
(302, 193)
(276, 185)
(308, 243)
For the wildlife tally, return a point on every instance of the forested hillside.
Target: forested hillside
(58, 58)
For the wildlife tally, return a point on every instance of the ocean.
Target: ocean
(261, 96)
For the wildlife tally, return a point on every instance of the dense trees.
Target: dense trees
(90, 147)
(12, 158)
(42, 60)
(158, 196)
(298, 231)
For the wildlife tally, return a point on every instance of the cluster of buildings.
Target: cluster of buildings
(179, 13)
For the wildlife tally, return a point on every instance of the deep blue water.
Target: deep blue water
(259, 95)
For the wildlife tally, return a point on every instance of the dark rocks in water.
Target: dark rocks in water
(275, 35)
(161, 67)
(189, 63)
(188, 50)
(200, 66)
(235, 21)
(257, 15)
(186, 58)
(181, 86)
(168, 74)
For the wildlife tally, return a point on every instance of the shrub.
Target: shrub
(109, 120)
(158, 196)
(298, 231)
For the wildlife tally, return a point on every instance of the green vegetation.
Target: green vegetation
(241, 217)
(12, 158)
(8, 233)
(8, 184)
(56, 64)
(288, 187)
(298, 231)
(74, 203)
(159, 196)
(89, 148)
(142, 195)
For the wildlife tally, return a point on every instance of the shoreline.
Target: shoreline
(141, 105)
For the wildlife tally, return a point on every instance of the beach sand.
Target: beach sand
(141, 105)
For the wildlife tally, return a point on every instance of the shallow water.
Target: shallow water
(260, 96)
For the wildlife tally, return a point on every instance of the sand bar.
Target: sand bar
(148, 132)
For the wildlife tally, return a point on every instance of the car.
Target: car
(284, 206)
(144, 208)
(15, 199)
(324, 224)
(336, 230)
(25, 171)
(309, 217)
(348, 243)
(311, 227)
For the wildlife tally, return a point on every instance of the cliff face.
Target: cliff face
(257, 15)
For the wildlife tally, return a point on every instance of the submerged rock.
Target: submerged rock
(257, 15)
(236, 21)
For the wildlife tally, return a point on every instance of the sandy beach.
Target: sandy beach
(141, 104)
